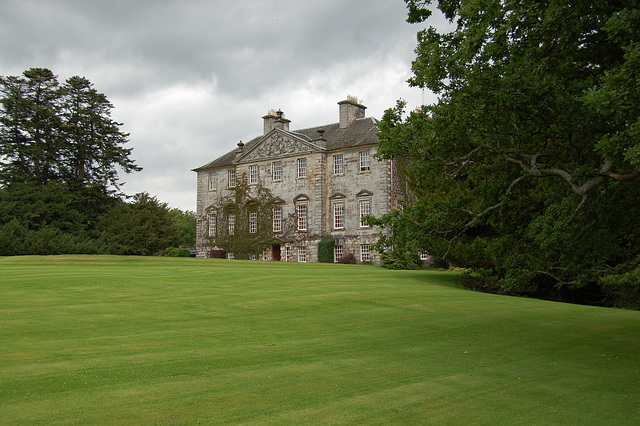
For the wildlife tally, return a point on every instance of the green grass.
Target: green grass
(118, 340)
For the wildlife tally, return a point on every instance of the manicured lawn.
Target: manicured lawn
(118, 340)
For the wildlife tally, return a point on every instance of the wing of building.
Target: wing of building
(323, 181)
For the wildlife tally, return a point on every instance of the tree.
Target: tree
(53, 133)
(93, 142)
(186, 223)
(527, 167)
(143, 227)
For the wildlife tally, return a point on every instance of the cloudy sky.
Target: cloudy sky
(190, 78)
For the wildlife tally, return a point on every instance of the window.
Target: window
(288, 256)
(338, 216)
(365, 161)
(253, 257)
(232, 223)
(212, 181)
(230, 255)
(276, 170)
(365, 254)
(232, 178)
(338, 164)
(301, 213)
(253, 174)
(277, 219)
(302, 254)
(253, 221)
(302, 167)
(211, 225)
(338, 253)
(365, 210)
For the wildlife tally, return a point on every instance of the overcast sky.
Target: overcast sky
(190, 78)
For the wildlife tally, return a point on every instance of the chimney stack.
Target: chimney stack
(350, 110)
(275, 120)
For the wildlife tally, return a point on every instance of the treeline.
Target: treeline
(60, 153)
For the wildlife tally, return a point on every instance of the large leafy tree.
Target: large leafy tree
(527, 167)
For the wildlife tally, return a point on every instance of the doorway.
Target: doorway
(275, 252)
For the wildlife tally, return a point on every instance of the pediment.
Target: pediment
(337, 196)
(277, 201)
(364, 193)
(276, 144)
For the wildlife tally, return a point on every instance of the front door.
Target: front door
(275, 252)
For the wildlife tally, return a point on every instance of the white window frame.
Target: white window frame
(276, 171)
(338, 253)
(302, 254)
(232, 223)
(338, 215)
(365, 210)
(365, 161)
(302, 167)
(288, 253)
(302, 213)
(253, 222)
(365, 252)
(254, 174)
(211, 224)
(338, 164)
(212, 181)
(277, 219)
(232, 178)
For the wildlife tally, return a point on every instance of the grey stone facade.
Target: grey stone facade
(341, 182)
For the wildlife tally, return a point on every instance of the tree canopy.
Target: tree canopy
(63, 133)
(527, 168)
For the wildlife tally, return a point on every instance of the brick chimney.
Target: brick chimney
(350, 110)
(275, 120)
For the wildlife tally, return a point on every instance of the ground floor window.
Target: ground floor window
(302, 254)
(365, 253)
(288, 254)
(338, 253)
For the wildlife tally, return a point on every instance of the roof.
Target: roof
(361, 132)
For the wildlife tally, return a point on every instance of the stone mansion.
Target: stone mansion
(322, 182)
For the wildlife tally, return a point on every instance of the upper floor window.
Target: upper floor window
(277, 219)
(232, 223)
(276, 170)
(232, 178)
(253, 174)
(302, 167)
(365, 161)
(338, 164)
(365, 210)
(253, 221)
(212, 181)
(301, 213)
(338, 216)
(211, 225)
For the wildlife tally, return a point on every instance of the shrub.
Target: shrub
(177, 252)
(218, 254)
(395, 259)
(325, 249)
(348, 258)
